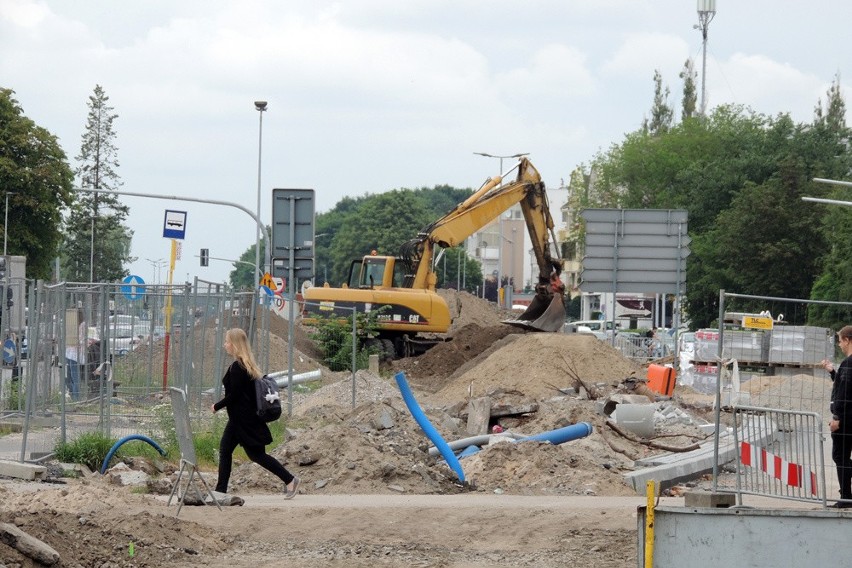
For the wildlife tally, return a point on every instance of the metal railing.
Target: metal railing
(779, 453)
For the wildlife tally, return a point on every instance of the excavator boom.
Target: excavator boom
(546, 312)
(401, 291)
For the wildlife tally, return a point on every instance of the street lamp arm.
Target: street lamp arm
(197, 200)
(520, 155)
(833, 182)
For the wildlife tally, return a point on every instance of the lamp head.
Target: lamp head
(260, 105)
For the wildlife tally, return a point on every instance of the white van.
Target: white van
(599, 328)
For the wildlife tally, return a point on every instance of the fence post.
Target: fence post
(354, 350)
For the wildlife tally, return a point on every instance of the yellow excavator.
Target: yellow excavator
(401, 290)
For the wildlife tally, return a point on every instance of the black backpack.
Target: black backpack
(268, 400)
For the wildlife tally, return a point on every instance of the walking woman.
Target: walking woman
(244, 426)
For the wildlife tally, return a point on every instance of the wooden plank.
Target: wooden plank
(478, 415)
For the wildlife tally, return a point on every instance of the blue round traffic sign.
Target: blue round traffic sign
(133, 287)
(9, 351)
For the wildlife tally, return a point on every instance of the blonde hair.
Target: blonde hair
(242, 351)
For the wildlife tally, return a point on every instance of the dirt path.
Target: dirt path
(461, 531)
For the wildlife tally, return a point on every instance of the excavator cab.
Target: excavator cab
(372, 271)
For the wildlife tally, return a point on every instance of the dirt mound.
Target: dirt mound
(431, 370)
(303, 343)
(539, 364)
(377, 447)
(91, 523)
(797, 392)
(466, 309)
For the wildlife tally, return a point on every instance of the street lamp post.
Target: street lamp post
(261, 107)
(512, 265)
(325, 263)
(500, 219)
(6, 221)
(157, 265)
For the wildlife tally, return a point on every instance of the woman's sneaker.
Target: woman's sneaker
(290, 493)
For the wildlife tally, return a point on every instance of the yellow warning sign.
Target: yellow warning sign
(757, 322)
(267, 281)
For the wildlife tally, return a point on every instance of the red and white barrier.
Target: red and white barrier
(786, 472)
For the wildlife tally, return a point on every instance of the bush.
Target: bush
(88, 449)
(334, 337)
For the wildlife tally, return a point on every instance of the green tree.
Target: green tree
(834, 116)
(662, 115)
(383, 224)
(244, 276)
(36, 177)
(829, 137)
(97, 243)
(690, 96)
(458, 270)
(741, 176)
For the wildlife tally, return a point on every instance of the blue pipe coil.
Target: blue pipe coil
(127, 439)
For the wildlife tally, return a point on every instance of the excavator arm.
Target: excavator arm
(546, 312)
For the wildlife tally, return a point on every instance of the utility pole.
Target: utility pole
(706, 13)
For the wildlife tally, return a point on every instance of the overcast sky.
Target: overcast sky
(373, 95)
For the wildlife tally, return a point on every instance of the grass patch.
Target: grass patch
(89, 449)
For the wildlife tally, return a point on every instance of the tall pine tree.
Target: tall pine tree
(97, 243)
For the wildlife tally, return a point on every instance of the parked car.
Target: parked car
(122, 339)
(123, 319)
(144, 332)
(599, 328)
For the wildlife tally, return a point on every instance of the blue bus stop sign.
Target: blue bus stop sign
(133, 288)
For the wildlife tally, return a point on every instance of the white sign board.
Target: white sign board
(174, 225)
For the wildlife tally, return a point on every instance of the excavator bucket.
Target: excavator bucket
(546, 313)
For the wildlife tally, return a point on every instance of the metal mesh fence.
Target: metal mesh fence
(642, 349)
(774, 392)
(98, 360)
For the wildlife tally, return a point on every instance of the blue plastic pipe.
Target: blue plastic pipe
(426, 426)
(566, 434)
(560, 435)
(127, 439)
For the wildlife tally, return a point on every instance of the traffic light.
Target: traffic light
(9, 296)
(2, 267)
(205, 257)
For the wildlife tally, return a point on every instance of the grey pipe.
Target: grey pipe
(282, 378)
(476, 441)
(282, 382)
